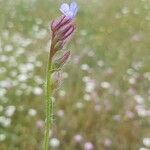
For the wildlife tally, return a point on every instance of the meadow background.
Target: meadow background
(104, 101)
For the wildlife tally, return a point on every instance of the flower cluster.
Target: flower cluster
(62, 28)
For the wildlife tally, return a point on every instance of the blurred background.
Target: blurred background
(104, 101)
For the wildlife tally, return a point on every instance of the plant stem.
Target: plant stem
(48, 102)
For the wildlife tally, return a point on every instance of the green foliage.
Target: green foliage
(104, 96)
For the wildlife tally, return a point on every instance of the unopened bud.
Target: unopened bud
(55, 23)
(56, 80)
(61, 61)
(69, 33)
(64, 32)
(58, 23)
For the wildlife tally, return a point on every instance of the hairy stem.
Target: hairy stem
(48, 103)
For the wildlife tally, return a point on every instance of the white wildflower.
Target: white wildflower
(10, 111)
(54, 142)
(32, 112)
(85, 67)
(37, 91)
(62, 93)
(2, 137)
(5, 122)
(105, 85)
(146, 142)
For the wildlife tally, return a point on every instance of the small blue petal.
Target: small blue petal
(69, 11)
(73, 6)
(64, 8)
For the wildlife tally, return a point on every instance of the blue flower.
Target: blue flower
(69, 11)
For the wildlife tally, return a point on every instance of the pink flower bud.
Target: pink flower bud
(55, 23)
(61, 61)
(56, 80)
(60, 22)
(62, 28)
(65, 57)
(68, 33)
(64, 32)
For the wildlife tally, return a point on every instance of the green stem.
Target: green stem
(48, 101)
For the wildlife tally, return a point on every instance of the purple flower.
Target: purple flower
(78, 138)
(69, 11)
(88, 146)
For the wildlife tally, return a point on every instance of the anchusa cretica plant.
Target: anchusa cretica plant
(62, 29)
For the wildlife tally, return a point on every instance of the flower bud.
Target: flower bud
(60, 22)
(68, 33)
(62, 28)
(61, 61)
(64, 32)
(56, 80)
